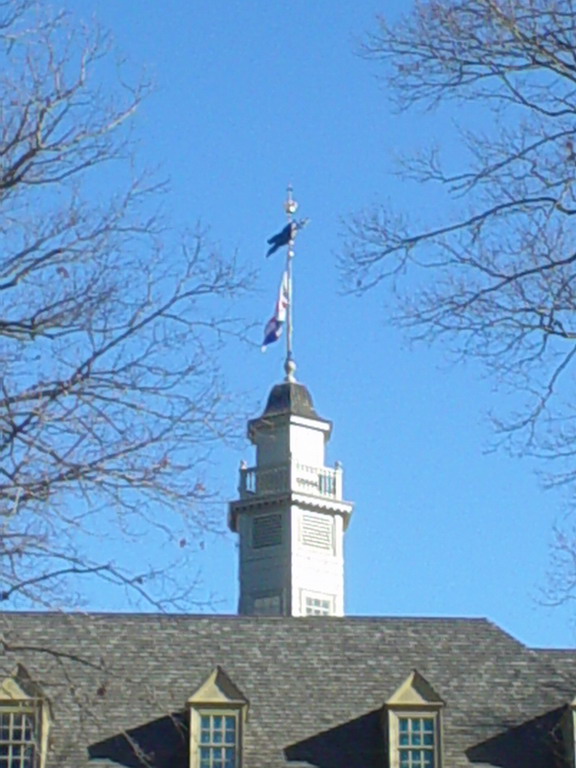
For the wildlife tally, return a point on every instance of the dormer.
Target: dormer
(414, 725)
(218, 712)
(24, 722)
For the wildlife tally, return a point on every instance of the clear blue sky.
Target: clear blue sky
(251, 94)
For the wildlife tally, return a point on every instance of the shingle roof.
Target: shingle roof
(562, 659)
(315, 685)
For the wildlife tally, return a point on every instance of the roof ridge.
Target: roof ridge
(352, 618)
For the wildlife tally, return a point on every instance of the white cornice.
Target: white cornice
(302, 500)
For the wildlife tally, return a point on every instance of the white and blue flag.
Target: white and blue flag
(273, 329)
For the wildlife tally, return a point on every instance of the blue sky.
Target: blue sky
(252, 94)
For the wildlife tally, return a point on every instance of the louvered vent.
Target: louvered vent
(266, 531)
(316, 532)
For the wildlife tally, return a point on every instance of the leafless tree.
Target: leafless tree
(109, 389)
(495, 273)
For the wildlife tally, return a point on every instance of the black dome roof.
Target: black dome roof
(290, 397)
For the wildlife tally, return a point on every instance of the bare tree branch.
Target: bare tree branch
(496, 276)
(110, 327)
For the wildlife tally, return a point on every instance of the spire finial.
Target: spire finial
(290, 206)
(290, 368)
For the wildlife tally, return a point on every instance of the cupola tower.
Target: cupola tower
(291, 516)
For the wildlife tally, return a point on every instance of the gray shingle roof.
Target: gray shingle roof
(315, 685)
(562, 659)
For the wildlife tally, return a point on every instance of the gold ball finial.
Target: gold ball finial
(290, 206)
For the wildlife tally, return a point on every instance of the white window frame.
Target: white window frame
(196, 714)
(395, 714)
(320, 596)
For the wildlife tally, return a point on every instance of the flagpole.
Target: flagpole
(290, 206)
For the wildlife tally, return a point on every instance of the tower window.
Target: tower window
(218, 740)
(266, 531)
(416, 742)
(17, 740)
(318, 605)
(267, 605)
(317, 531)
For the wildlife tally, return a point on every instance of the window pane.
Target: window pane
(267, 606)
(318, 607)
(416, 742)
(28, 728)
(215, 732)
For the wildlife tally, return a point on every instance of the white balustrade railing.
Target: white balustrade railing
(291, 476)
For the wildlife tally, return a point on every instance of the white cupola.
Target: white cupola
(291, 515)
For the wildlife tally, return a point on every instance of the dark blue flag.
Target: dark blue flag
(285, 236)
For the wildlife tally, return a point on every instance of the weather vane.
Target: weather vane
(283, 309)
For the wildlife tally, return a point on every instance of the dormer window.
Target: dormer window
(218, 739)
(18, 738)
(414, 725)
(417, 742)
(218, 710)
(24, 723)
